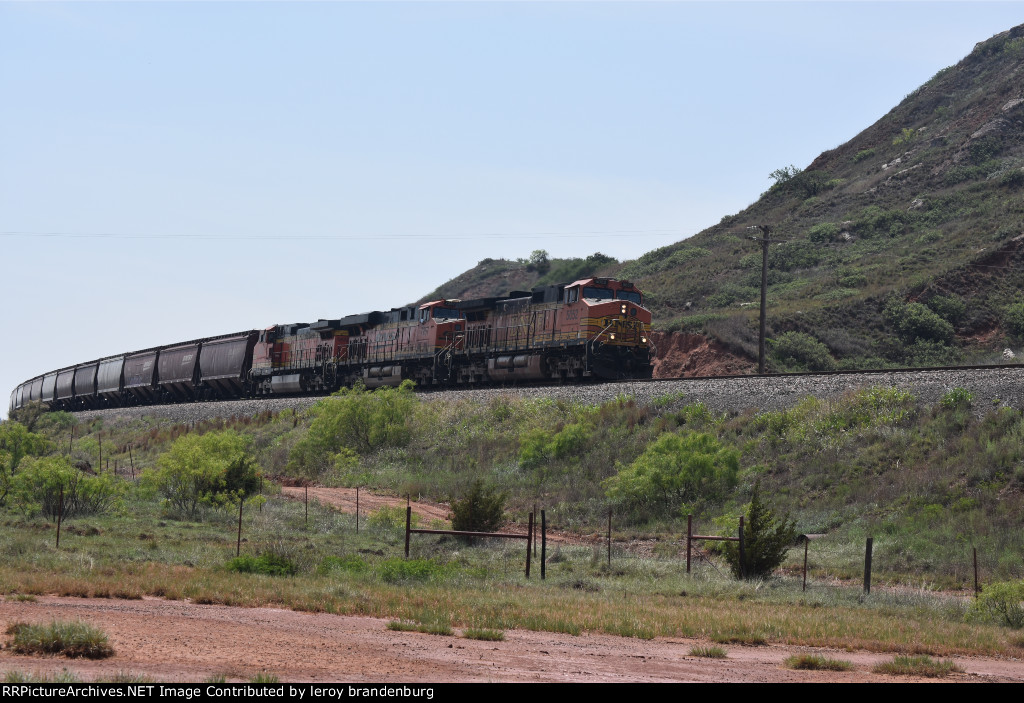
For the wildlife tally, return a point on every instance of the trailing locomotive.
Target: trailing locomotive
(594, 328)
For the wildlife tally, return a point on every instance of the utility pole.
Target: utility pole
(764, 240)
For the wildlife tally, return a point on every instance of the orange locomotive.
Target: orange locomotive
(594, 328)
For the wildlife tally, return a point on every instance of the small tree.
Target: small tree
(675, 469)
(480, 509)
(766, 539)
(213, 469)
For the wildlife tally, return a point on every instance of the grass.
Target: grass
(63, 676)
(483, 633)
(72, 639)
(815, 662)
(430, 628)
(265, 677)
(709, 652)
(917, 666)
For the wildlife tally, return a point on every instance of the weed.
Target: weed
(709, 652)
(72, 639)
(265, 677)
(476, 633)
(64, 676)
(917, 666)
(430, 628)
(817, 663)
(741, 636)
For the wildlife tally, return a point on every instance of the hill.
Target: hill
(901, 246)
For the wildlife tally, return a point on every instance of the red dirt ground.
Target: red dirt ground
(181, 641)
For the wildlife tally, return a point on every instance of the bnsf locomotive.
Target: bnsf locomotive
(594, 328)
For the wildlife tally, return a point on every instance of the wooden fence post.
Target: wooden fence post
(867, 565)
(238, 547)
(60, 511)
(689, 540)
(543, 544)
(743, 554)
(807, 542)
(609, 536)
(977, 585)
(529, 538)
(408, 526)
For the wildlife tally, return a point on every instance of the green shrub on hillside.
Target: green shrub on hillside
(675, 469)
(16, 443)
(212, 469)
(766, 539)
(354, 418)
(799, 350)
(1013, 319)
(52, 486)
(823, 233)
(914, 321)
(480, 509)
(1001, 604)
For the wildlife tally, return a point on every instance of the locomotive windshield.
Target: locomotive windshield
(630, 295)
(446, 314)
(598, 293)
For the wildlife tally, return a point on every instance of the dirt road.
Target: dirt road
(181, 641)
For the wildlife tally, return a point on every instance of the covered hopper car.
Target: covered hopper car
(594, 328)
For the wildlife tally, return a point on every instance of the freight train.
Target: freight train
(593, 328)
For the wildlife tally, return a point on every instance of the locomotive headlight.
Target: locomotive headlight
(643, 340)
(612, 336)
(623, 308)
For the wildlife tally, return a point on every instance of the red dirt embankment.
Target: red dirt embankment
(685, 354)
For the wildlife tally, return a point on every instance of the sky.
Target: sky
(175, 170)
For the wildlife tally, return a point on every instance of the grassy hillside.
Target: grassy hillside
(902, 246)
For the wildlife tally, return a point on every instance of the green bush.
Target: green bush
(796, 349)
(16, 443)
(951, 308)
(914, 321)
(54, 487)
(957, 399)
(766, 539)
(1013, 319)
(354, 418)
(413, 570)
(72, 639)
(1000, 604)
(675, 469)
(863, 154)
(390, 519)
(212, 469)
(823, 233)
(351, 563)
(480, 509)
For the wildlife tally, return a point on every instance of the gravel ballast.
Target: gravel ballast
(991, 388)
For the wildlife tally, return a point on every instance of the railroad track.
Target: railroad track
(992, 386)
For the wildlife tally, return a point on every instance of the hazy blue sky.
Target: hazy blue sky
(176, 170)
